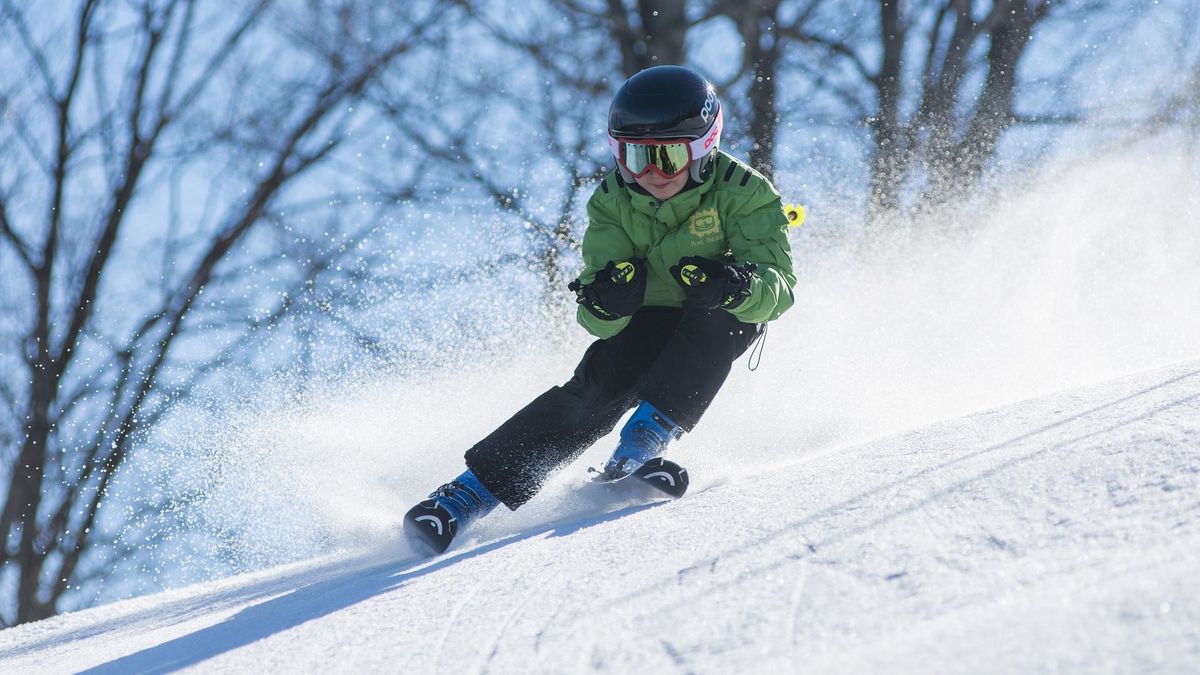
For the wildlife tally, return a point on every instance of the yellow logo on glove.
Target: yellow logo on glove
(692, 275)
(623, 273)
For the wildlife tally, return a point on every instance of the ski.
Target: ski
(665, 476)
(430, 527)
(661, 475)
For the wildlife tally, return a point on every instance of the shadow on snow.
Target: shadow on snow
(316, 600)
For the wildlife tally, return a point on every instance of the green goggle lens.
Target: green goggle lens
(669, 158)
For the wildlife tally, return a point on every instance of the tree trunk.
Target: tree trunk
(664, 24)
(762, 53)
(889, 160)
(994, 114)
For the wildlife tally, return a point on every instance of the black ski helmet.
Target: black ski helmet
(667, 102)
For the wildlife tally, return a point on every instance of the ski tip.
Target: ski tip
(665, 476)
(430, 527)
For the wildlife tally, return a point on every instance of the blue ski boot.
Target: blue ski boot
(434, 522)
(644, 437)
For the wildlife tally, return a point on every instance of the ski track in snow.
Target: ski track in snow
(1060, 533)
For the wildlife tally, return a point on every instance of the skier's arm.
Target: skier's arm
(759, 235)
(603, 241)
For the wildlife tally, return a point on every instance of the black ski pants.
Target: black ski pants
(676, 359)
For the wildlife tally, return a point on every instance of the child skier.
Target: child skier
(685, 257)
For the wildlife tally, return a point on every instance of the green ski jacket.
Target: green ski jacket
(735, 214)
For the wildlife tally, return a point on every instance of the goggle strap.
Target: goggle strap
(703, 145)
(697, 148)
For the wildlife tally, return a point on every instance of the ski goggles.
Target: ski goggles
(668, 158)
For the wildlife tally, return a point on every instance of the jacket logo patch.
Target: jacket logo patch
(705, 227)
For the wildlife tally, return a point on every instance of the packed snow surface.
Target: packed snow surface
(1056, 534)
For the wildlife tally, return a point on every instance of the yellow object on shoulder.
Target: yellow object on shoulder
(795, 214)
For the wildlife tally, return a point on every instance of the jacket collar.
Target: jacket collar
(675, 210)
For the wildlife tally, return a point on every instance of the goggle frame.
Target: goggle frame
(698, 147)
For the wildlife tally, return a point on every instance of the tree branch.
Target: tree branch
(35, 53)
(19, 246)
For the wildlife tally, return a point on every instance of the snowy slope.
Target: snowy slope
(1061, 533)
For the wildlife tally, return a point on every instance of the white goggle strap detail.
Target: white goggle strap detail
(614, 146)
(702, 146)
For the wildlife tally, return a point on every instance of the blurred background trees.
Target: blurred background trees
(160, 161)
(192, 196)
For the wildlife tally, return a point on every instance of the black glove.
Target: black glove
(617, 291)
(711, 283)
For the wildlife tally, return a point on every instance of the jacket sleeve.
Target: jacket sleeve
(603, 241)
(759, 235)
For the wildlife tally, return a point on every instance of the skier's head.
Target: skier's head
(665, 122)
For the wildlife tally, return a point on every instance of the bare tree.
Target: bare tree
(543, 91)
(146, 154)
(646, 32)
(942, 79)
(758, 23)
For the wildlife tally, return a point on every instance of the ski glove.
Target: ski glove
(711, 283)
(617, 291)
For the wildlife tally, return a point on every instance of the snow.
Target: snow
(1060, 533)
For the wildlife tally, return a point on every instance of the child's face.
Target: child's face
(662, 188)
